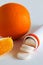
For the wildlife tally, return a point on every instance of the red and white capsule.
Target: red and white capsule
(30, 44)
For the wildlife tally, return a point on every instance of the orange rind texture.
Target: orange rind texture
(14, 20)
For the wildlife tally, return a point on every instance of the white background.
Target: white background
(36, 10)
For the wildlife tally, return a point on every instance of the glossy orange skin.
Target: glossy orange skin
(14, 20)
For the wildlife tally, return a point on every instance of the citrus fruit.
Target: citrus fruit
(6, 45)
(14, 20)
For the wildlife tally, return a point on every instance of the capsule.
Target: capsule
(30, 43)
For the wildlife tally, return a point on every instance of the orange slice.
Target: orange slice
(6, 45)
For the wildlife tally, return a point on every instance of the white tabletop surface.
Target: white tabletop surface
(36, 10)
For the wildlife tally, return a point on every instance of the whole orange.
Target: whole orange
(14, 20)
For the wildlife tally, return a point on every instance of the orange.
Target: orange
(6, 45)
(14, 20)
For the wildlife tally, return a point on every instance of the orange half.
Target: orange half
(6, 45)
